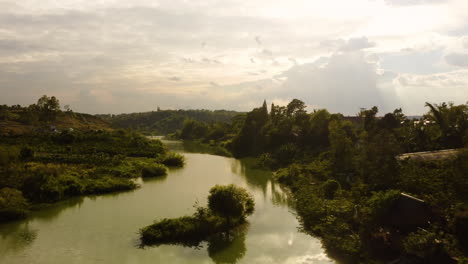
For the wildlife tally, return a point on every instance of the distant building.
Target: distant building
(408, 213)
(430, 155)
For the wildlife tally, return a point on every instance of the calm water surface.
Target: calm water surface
(103, 229)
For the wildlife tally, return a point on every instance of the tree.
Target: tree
(49, 107)
(295, 107)
(230, 201)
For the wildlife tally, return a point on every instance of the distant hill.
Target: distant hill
(166, 121)
(24, 121)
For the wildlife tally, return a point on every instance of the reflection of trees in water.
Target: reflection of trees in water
(155, 179)
(280, 196)
(256, 177)
(228, 247)
(261, 179)
(54, 210)
(16, 236)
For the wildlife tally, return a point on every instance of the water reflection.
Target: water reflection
(15, 237)
(256, 177)
(228, 247)
(53, 211)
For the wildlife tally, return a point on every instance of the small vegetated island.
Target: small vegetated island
(48, 155)
(228, 207)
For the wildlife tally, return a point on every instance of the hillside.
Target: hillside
(24, 121)
(166, 121)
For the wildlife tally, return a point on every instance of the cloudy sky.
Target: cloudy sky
(114, 56)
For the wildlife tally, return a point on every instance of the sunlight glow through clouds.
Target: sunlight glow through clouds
(203, 52)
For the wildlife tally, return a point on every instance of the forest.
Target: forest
(351, 185)
(163, 122)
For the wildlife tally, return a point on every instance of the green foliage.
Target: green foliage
(194, 129)
(48, 107)
(153, 170)
(51, 166)
(379, 205)
(422, 243)
(173, 159)
(13, 205)
(167, 121)
(330, 188)
(230, 201)
(191, 230)
(108, 185)
(26, 153)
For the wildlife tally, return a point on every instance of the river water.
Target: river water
(104, 229)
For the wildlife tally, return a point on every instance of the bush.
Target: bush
(173, 160)
(26, 153)
(379, 204)
(153, 170)
(42, 187)
(72, 185)
(109, 184)
(12, 204)
(422, 243)
(228, 206)
(329, 188)
(230, 201)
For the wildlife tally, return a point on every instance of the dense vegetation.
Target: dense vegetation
(228, 207)
(48, 165)
(163, 122)
(346, 178)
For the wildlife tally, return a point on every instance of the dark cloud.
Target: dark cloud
(354, 44)
(267, 52)
(457, 59)
(257, 39)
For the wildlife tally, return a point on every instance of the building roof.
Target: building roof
(430, 155)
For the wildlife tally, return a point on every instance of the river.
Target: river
(104, 229)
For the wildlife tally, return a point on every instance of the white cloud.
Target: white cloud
(414, 90)
(413, 2)
(101, 55)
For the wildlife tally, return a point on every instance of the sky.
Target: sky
(115, 56)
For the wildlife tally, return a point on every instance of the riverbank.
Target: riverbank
(45, 168)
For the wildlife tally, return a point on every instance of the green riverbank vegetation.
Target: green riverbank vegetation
(228, 207)
(46, 164)
(351, 186)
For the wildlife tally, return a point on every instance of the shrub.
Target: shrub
(228, 206)
(230, 201)
(153, 170)
(109, 184)
(72, 185)
(422, 243)
(12, 204)
(26, 153)
(329, 188)
(380, 203)
(174, 160)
